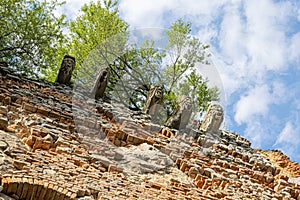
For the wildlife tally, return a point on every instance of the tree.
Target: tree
(30, 34)
(99, 38)
(181, 75)
(142, 68)
(96, 25)
(175, 67)
(195, 86)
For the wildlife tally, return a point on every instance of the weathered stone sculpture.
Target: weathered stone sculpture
(154, 99)
(3, 68)
(180, 118)
(3, 64)
(213, 119)
(66, 69)
(101, 83)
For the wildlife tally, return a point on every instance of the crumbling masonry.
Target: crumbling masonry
(46, 154)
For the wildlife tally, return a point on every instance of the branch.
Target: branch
(174, 71)
(137, 79)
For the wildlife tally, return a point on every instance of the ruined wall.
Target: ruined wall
(109, 152)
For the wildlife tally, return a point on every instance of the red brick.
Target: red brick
(29, 107)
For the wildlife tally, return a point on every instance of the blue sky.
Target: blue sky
(255, 47)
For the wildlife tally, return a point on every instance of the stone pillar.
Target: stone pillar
(213, 119)
(65, 72)
(180, 118)
(154, 99)
(101, 82)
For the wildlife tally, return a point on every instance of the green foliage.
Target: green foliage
(98, 37)
(30, 34)
(181, 76)
(31, 41)
(195, 86)
(174, 67)
(143, 67)
(96, 25)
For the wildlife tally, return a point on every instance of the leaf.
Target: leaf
(30, 35)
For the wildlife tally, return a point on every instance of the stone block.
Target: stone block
(183, 166)
(63, 150)
(117, 142)
(137, 140)
(178, 161)
(3, 110)
(7, 101)
(113, 168)
(121, 135)
(130, 138)
(269, 178)
(3, 146)
(209, 172)
(43, 111)
(29, 107)
(3, 123)
(20, 164)
(80, 192)
(53, 114)
(41, 144)
(193, 172)
(156, 185)
(223, 184)
(73, 196)
(166, 150)
(30, 141)
(234, 167)
(182, 114)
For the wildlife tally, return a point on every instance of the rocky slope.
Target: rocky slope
(55, 143)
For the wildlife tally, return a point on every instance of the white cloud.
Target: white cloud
(157, 13)
(289, 140)
(266, 39)
(288, 134)
(196, 7)
(252, 42)
(279, 92)
(294, 47)
(71, 8)
(255, 102)
(256, 133)
(232, 36)
(298, 15)
(144, 13)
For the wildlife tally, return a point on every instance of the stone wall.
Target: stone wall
(109, 152)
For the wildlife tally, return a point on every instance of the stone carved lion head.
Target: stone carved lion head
(154, 97)
(66, 69)
(213, 118)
